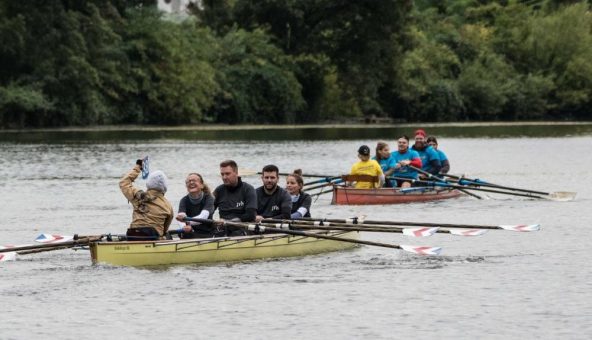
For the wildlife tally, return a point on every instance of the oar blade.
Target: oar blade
(522, 227)
(52, 238)
(467, 232)
(10, 256)
(422, 250)
(420, 232)
(562, 196)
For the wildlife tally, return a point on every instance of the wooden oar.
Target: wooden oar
(443, 180)
(461, 187)
(83, 240)
(323, 185)
(558, 195)
(359, 220)
(422, 231)
(258, 228)
(322, 180)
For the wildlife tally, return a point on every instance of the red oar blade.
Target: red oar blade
(51, 238)
(422, 250)
(10, 256)
(420, 232)
(522, 227)
(467, 232)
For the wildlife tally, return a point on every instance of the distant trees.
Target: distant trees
(288, 61)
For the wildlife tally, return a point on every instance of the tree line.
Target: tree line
(94, 62)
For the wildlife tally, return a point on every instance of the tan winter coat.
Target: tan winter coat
(151, 208)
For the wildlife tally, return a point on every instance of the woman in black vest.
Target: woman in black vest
(198, 203)
(301, 201)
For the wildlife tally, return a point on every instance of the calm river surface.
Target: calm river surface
(502, 285)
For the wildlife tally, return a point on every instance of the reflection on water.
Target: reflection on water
(500, 285)
(297, 133)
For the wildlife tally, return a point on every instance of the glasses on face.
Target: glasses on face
(189, 181)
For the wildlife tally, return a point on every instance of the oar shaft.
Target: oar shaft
(320, 236)
(67, 244)
(442, 180)
(303, 175)
(337, 227)
(416, 224)
(491, 185)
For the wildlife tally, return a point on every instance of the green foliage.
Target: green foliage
(68, 62)
(257, 82)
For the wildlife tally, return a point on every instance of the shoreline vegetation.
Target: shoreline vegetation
(107, 62)
(220, 127)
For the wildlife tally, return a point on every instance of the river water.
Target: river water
(502, 285)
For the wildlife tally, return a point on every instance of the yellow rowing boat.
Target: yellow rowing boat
(224, 249)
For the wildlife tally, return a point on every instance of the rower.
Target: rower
(301, 201)
(153, 213)
(273, 201)
(235, 200)
(430, 161)
(433, 142)
(387, 162)
(403, 158)
(366, 167)
(199, 204)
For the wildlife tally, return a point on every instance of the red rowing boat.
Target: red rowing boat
(352, 196)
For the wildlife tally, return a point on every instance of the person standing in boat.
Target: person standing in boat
(301, 201)
(430, 161)
(198, 203)
(273, 201)
(433, 142)
(366, 167)
(386, 161)
(153, 213)
(235, 200)
(404, 157)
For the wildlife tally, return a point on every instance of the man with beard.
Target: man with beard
(430, 161)
(272, 201)
(235, 200)
(404, 157)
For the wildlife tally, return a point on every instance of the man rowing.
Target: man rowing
(403, 158)
(235, 200)
(273, 201)
(430, 161)
(152, 213)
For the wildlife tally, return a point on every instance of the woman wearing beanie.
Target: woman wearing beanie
(152, 213)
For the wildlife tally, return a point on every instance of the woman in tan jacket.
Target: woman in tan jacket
(152, 213)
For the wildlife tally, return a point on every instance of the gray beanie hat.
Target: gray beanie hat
(157, 180)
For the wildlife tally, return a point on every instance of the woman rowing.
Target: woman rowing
(301, 201)
(152, 213)
(198, 203)
(404, 157)
(433, 142)
(385, 160)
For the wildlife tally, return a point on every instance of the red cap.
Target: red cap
(420, 132)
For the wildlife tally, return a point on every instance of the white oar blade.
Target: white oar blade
(422, 250)
(522, 227)
(562, 196)
(51, 238)
(467, 232)
(9, 256)
(420, 232)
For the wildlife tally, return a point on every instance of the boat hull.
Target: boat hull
(353, 196)
(153, 253)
